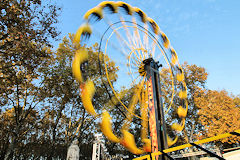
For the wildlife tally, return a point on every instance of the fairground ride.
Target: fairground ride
(147, 65)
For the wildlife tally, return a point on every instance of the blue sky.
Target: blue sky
(203, 32)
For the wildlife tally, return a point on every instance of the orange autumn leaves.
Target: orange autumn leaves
(218, 113)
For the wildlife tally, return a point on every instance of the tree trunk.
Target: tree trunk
(10, 149)
(190, 139)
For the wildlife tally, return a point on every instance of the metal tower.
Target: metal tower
(99, 149)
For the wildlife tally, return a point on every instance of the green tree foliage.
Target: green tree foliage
(26, 29)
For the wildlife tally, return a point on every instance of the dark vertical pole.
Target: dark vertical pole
(161, 119)
(154, 78)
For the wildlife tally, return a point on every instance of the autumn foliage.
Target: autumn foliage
(41, 111)
(218, 114)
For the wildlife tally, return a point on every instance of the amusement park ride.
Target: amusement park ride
(140, 50)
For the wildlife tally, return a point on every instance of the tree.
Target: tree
(236, 100)
(219, 114)
(118, 114)
(67, 118)
(8, 130)
(195, 78)
(26, 29)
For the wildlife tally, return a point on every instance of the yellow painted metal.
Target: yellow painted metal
(143, 157)
(109, 3)
(88, 90)
(83, 29)
(214, 138)
(163, 52)
(81, 55)
(96, 10)
(137, 55)
(106, 127)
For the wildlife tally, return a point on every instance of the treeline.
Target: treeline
(41, 111)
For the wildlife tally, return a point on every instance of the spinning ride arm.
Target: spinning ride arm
(140, 57)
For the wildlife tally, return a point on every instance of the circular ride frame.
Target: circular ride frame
(159, 138)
